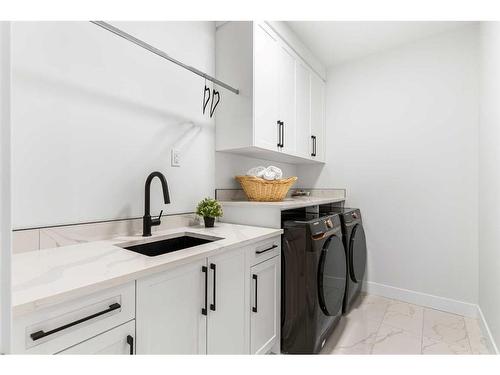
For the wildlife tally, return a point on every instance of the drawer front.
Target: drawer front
(264, 250)
(56, 328)
(119, 340)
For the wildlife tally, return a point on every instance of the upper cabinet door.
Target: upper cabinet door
(266, 83)
(303, 110)
(317, 144)
(286, 98)
(169, 317)
(228, 314)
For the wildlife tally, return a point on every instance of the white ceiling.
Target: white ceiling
(334, 42)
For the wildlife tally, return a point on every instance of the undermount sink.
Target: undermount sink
(167, 245)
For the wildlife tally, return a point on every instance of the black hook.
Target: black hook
(205, 99)
(213, 106)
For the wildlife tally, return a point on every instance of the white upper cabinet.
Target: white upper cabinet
(303, 110)
(286, 99)
(266, 88)
(317, 118)
(272, 117)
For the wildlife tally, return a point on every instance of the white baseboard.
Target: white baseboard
(423, 299)
(486, 330)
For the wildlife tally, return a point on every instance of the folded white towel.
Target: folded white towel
(272, 173)
(278, 171)
(256, 171)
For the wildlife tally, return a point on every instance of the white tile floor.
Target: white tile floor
(378, 325)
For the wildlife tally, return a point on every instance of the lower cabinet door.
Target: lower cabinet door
(169, 315)
(227, 331)
(265, 302)
(119, 340)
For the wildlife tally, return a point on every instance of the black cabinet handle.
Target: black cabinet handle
(205, 271)
(313, 137)
(41, 334)
(279, 133)
(254, 309)
(265, 250)
(130, 341)
(212, 305)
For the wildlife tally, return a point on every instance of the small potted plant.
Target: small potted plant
(209, 209)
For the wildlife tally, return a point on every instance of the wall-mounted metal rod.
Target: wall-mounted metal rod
(160, 53)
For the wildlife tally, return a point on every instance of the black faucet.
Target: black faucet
(147, 221)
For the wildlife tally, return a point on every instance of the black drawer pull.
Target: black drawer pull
(130, 341)
(265, 250)
(205, 271)
(41, 334)
(254, 309)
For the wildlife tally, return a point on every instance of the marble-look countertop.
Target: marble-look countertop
(45, 277)
(286, 204)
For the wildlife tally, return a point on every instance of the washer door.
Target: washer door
(332, 273)
(357, 254)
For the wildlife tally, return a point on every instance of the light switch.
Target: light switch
(175, 158)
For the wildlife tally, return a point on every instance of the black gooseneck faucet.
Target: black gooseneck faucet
(147, 221)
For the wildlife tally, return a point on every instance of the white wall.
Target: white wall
(5, 190)
(93, 115)
(402, 138)
(489, 178)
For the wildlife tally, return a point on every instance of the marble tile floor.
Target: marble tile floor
(378, 325)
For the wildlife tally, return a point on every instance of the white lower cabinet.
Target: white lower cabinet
(265, 314)
(119, 340)
(205, 307)
(54, 329)
(169, 318)
(228, 307)
(194, 309)
(227, 303)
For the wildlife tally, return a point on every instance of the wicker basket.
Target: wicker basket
(258, 189)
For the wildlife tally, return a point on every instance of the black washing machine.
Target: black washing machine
(355, 246)
(313, 282)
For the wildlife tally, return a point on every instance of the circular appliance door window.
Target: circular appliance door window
(357, 253)
(332, 274)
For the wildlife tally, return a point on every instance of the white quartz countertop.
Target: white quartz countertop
(45, 277)
(286, 204)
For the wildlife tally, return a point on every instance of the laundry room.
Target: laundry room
(235, 186)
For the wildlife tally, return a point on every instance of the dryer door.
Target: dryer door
(357, 253)
(332, 274)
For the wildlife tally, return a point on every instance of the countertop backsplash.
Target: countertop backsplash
(64, 235)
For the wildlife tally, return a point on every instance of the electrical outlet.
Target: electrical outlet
(175, 158)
